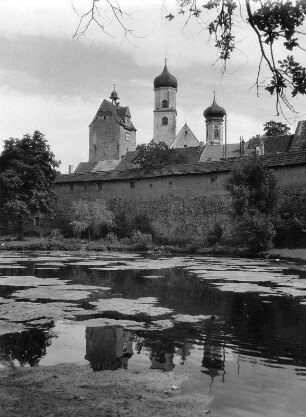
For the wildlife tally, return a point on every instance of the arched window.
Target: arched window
(164, 104)
(164, 121)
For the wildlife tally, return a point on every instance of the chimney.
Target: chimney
(242, 146)
(70, 169)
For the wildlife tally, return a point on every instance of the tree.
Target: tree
(27, 175)
(157, 155)
(254, 195)
(90, 216)
(273, 128)
(276, 25)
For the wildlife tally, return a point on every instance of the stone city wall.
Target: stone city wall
(179, 206)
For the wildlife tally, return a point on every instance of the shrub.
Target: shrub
(111, 238)
(31, 233)
(256, 232)
(96, 246)
(142, 223)
(141, 241)
(122, 227)
(254, 203)
(214, 236)
(56, 234)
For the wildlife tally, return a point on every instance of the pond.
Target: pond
(236, 327)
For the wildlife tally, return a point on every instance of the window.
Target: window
(36, 221)
(99, 186)
(164, 104)
(164, 121)
(127, 136)
(216, 131)
(71, 186)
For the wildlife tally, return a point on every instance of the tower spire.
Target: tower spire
(114, 96)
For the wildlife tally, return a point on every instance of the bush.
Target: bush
(122, 226)
(31, 233)
(142, 223)
(254, 203)
(56, 234)
(141, 241)
(111, 238)
(256, 232)
(214, 236)
(96, 246)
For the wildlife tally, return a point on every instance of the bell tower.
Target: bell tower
(214, 117)
(165, 88)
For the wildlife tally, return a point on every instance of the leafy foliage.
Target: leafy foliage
(254, 202)
(90, 216)
(157, 155)
(142, 223)
(274, 23)
(27, 175)
(292, 225)
(273, 128)
(141, 241)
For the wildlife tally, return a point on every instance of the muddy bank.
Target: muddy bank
(69, 390)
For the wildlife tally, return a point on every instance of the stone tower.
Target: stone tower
(165, 87)
(111, 133)
(214, 116)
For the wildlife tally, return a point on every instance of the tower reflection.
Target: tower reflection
(108, 347)
(213, 360)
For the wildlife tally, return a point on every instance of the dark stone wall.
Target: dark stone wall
(179, 206)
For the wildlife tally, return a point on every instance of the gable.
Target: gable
(185, 138)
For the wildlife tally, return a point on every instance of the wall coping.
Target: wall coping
(198, 168)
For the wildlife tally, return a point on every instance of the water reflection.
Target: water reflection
(27, 347)
(256, 344)
(213, 360)
(108, 347)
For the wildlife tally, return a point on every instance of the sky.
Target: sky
(54, 83)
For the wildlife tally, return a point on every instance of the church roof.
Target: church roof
(217, 152)
(214, 110)
(165, 79)
(184, 138)
(117, 112)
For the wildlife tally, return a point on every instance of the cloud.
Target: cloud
(63, 120)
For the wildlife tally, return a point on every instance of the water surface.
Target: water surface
(236, 327)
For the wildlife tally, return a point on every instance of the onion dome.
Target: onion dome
(214, 111)
(165, 79)
(114, 95)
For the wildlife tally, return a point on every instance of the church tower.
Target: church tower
(214, 116)
(165, 87)
(111, 133)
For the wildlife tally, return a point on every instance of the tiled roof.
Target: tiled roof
(85, 167)
(217, 152)
(108, 165)
(272, 144)
(272, 161)
(117, 112)
(191, 155)
(126, 162)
